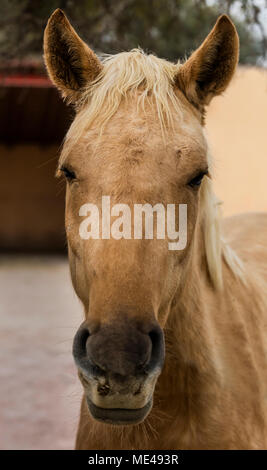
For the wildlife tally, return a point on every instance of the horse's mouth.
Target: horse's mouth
(119, 416)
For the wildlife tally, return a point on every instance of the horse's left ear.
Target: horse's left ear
(210, 68)
(70, 63)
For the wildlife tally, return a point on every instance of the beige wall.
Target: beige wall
(237, 133)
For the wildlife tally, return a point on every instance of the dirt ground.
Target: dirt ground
(39, 391)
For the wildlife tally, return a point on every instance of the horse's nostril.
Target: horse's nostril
(157, 354)
(154, 336)
(97, 371)
(84, 337)
(79, 342)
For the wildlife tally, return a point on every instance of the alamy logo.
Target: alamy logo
(131, 226)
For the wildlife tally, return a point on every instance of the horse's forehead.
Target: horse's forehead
(141, 136)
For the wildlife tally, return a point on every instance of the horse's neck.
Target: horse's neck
(190, 330)
(192, 363)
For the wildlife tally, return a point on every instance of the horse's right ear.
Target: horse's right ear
(71, 64)
(210, 68)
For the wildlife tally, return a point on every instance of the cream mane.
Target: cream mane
(122, 74)
(126, 73)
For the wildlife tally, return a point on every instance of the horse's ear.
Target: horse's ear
(71, 64)
(210, 68)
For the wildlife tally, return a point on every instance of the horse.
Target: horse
(172, 350)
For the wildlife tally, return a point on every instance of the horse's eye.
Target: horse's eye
(69, 174)
(196, 181)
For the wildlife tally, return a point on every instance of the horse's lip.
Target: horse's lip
(119, 416)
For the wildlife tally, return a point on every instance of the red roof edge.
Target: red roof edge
(25, 81)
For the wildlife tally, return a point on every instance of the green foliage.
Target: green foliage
(169, 28)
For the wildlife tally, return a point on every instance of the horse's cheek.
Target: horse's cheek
(78, 278)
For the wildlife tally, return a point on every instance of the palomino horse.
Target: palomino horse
(138, 138)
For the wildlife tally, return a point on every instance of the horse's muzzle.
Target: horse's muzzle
(119, 416)
(118, 365)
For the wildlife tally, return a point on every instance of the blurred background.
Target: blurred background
(39, 392)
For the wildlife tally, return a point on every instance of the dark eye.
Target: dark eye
(196, 181)
(69, 174)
